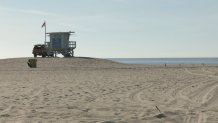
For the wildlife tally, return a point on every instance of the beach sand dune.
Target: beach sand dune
(87, 90)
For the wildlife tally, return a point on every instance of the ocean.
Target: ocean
(166, 60)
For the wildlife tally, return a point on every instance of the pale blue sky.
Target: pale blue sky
(113, 28)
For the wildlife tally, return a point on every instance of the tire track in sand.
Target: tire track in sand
(22, 115)
(21, 112)
(136, 95)
(205, 98)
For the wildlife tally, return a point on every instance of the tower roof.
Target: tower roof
(70, 32)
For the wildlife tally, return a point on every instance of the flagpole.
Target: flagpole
(45, 33)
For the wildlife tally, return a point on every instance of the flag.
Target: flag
(43, 25)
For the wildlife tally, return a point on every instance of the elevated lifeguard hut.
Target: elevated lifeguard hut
(59, 43)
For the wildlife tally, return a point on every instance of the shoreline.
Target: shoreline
(154, 61)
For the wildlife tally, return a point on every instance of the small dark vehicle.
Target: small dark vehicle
(40, 49)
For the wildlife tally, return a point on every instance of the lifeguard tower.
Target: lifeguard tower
(59, 44)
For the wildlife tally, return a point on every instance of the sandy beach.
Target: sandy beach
(86, 90)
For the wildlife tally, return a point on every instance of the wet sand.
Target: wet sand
(86, 90)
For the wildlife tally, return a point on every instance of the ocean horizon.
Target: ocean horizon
(166, 60)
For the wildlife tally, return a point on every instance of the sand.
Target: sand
(85, 90)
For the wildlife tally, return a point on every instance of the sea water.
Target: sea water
(166, 60)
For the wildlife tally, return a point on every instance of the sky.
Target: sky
(113, 28)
